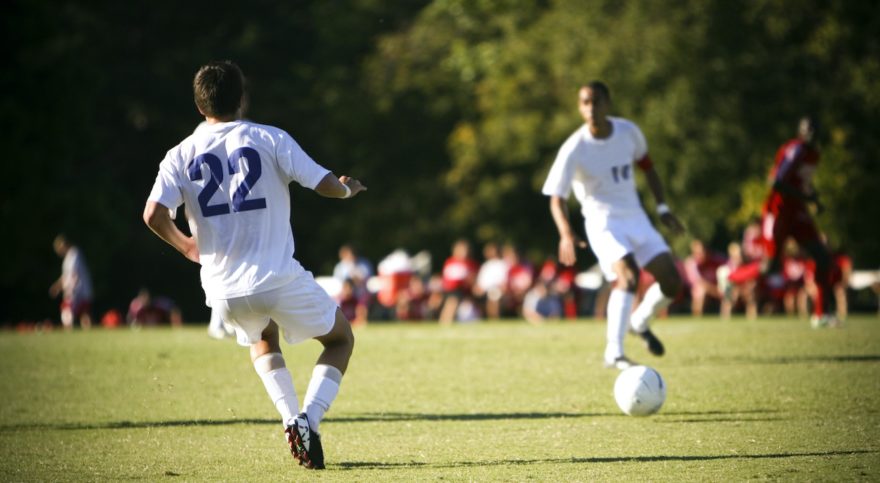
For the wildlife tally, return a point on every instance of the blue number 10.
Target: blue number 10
(248, 156)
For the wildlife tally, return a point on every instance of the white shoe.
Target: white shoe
(620, 363)
(824, 321)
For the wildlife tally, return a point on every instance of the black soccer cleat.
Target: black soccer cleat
(305, 444)
(654, 345)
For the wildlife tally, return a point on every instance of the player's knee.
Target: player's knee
(627, 276)
(627, 283)
(671, 285)
(341, 337)
(268, 362)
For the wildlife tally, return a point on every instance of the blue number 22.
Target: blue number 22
(215, 167)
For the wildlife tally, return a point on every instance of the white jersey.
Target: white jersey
(75, 280)
(233, 178)
(600, 171)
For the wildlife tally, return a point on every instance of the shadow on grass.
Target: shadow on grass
(801, 359)
(722, 416)
(354, 465)
(136, 424)
(385, 417)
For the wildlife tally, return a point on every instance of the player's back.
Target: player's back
(795, 164)
(234, 179)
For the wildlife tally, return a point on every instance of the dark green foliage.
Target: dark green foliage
(451, 111)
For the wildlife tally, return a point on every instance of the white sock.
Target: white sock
(619, 307)
(653, 302)
(322, 391)
(278, 383)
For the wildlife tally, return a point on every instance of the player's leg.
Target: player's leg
(66, 315)
(450, 307)
(819, 253)
(657, 297)
(323, 388)
(698, 299)
(83, 311)
(270, 366)
(331, 365)
(620, 302)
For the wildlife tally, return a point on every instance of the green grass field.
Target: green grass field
(769, 400)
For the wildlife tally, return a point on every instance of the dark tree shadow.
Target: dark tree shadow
(351, 465)
(392, 417)
(137, 424)
(799, 359)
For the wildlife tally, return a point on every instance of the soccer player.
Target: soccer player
(74, 284)
(596, 162)
(786, 214)
(233, 176)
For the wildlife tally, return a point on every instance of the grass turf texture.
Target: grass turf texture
(498, 401)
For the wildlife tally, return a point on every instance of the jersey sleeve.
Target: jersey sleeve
(558, 182)
(641, 145)
(296, 165)
(166, 190)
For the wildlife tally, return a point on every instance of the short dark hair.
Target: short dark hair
(218, 88)
(600, 87)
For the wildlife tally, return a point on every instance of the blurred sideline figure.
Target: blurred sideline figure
(491, 281)
(701, 268)
(145, 310)
(74, 284)
(459, 274)
(733, 294)
(596, 162)
(234, 178)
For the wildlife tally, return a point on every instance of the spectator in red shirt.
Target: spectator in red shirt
(520, 278)
(459, 274)
(353, 302)
(732, 293)
(701, 269)
(146, 310)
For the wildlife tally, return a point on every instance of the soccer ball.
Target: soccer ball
(639, 391)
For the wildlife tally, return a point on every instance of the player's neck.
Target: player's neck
(217, 120)
(601, 129)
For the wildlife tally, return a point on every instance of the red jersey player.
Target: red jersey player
(786, 214)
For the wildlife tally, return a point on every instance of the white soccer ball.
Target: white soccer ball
(639, 391)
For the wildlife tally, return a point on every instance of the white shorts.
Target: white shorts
(613, 238)
(301, 308)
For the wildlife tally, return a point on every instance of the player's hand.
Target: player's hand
(567, 247)
(353, 184)
(673, 223)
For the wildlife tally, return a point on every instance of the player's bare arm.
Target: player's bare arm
(656, 187)
(568, 241)
(344, 187)
(158, 218)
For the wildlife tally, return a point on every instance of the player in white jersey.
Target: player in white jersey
(596, 162)
(233, 176)
(74, 284)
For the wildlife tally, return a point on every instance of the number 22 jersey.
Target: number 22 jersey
(233, 178)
